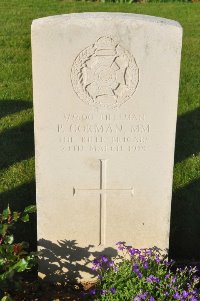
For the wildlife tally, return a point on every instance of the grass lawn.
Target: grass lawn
(17, 184)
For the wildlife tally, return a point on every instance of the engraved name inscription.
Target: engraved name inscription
(104, 132)
(104, 74)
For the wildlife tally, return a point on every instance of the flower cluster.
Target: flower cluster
(102, 262)
(143, 274)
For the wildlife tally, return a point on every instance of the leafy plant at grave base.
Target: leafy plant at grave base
(142, 274)
(14, 257)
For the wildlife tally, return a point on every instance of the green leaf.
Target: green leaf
(5, 214)
(16, 216)
(21, 265)
(3, 229)
(8, 275)
(2, 261)
(9, 239)
(6, 298)
(30, 209)
(25, 218)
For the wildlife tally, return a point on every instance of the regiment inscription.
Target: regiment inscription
(104, 132)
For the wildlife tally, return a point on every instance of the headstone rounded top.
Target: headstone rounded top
(105, 15)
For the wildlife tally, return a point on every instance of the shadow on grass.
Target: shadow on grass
(65, 260)
(8, 107)
(185, 212)
(16, 144)
(185, 223)
(187, 135)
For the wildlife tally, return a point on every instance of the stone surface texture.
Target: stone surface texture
(105, 105)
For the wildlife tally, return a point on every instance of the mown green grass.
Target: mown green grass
(17, 185)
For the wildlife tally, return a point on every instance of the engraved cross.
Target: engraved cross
(102, 190)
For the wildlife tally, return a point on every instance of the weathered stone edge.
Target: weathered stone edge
(105, 15)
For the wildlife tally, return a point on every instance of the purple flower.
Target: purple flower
(111, 264)
(193, 299)
(149, 252)
(104, 259)
(196, 278)
(185, 294)
(151, 299)
(137, 298)
(142, 257)
(146, 265)
(176, 295)
(92, 291)
(120, 243)
(135, 268)
(143, 296)
(103, 292)
(139, 275)
(113, 290)
(96, 264)
(83, 294)
(158, 259)
(132, 251)
(152, 279)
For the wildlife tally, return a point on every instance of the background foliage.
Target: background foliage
(14, 255)
(17, 179)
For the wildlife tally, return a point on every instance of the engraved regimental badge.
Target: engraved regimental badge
(104, 74)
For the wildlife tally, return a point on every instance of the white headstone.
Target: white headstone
(105, 103)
